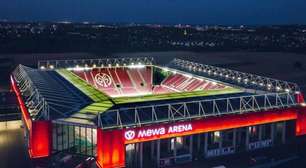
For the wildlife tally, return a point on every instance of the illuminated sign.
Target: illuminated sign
(159, 131)
(162, 131)
(129, 135)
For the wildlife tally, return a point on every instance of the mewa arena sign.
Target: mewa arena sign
(148, 133)
(184, 128)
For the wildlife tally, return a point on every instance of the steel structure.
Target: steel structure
(236, 77)
(45, 99)
(186, 110)
(38, 106)
(54, 64)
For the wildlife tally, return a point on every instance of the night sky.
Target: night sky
(227, 12)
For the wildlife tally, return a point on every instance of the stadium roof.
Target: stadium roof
(67, 97)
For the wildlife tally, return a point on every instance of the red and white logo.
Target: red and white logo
(103, 79)
(129, 135)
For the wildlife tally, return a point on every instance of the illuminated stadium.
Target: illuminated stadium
(132, 112)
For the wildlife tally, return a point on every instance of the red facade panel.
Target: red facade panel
(301, 122)
(299, 97)
(110, 149)
(40, 139)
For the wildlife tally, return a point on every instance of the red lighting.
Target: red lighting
(40, 131)
(40, 139)
(299, 97)
(300, 128)
(24, 110)
(212, 124)
(110, 149)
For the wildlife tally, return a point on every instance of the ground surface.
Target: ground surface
(13, 153)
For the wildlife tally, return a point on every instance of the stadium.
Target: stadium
(132, 112)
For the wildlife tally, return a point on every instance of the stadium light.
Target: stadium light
(165, 69)
(51, 66)
(78, 68)
(42, 67)
(187, 75)
(94, 65)
(297, 92)
(136, 66)
(200, 79)
(287, 90)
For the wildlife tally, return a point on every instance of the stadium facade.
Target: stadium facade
(129, 112)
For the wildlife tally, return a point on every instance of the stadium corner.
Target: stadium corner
(39, 132)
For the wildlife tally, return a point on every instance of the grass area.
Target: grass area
(167, 96)
(101, 101)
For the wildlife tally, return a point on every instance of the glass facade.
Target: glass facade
(74, 139)
(171, 151)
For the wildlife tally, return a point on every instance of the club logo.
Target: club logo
(129, 135)
(103, 79)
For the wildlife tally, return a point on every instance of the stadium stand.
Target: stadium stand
(180, 83)
(119, 81)
(124, 81)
